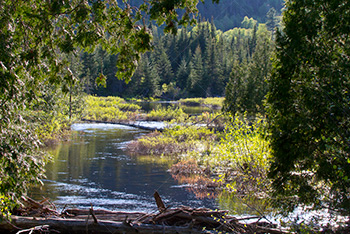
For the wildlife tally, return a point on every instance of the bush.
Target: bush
(245, 150)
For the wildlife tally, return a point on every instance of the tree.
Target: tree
(271, 19)
(160, 61)
(247, 87)
(34, 34)
(195, 86)
(182, 74)
(308, 106)
(149, 85)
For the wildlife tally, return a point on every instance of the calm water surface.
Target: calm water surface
(94, 168)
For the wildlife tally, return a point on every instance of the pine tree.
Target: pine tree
(160, 61)
(182, 74)
(195, 85)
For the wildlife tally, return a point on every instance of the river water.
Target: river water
(94, 168)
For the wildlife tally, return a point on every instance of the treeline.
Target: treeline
(195, 62)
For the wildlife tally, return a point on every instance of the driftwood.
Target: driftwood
(129, 124)
(165, 220)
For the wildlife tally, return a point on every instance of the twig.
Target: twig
(160, 204)
(93, 215)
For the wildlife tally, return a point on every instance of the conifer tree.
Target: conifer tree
(182, 74)
(308, 107)
(195, 85)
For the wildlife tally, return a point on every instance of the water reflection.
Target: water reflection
(244, 205)
(93, 168)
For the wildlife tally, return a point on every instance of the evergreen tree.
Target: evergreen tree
(160, 61)
(182, 74)
(247, 87)
(308, 107)
(195, 85)
(150, 82)
(271, 19)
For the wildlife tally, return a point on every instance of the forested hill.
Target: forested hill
(230, 13)
(197, 62)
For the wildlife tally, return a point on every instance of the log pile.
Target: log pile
(165, 220)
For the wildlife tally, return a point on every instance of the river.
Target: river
(94, 168)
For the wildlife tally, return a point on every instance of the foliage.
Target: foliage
(307, 106)
(247, 86)
(243, 156)
(194, 63)
(20, 159)
(214, 102)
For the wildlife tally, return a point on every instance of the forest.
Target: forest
(281, 67)
(195, 63)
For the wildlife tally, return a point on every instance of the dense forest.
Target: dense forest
(195, 62)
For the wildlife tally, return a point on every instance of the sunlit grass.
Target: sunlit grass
(213, 102)
(113, 109)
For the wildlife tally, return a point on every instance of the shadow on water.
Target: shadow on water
(94, 168)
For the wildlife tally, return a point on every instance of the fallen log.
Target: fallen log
(77, 226)
(167, 220)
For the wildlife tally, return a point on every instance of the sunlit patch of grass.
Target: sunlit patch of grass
(156, 143)
(213, 102)
(167, 114)
(174, 141)
(113, 109)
